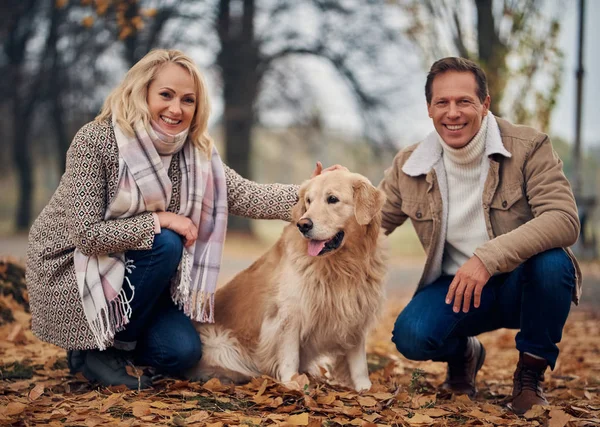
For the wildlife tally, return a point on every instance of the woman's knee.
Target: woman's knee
(169, 246)
(181, 356)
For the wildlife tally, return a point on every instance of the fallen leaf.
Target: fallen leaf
(558, 418)
(366, 401)
(419, 419)
(262, 389)
(436, 412)
(197, 417)
(14, 408)
(110, 402)
(536, 411)
(326, 400)
(16, 334)
(36, 392)
(140, 409)
(160, 405)
(298, 420)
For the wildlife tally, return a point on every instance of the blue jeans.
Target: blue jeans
(534, 298)
(160, 334)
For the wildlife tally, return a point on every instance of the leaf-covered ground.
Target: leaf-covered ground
(36, 388)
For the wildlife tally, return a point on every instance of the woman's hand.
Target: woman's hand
(319, 169)
(181, 225)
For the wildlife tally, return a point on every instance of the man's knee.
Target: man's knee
(551, 268)
(412, 340)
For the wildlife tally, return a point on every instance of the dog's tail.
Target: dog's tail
(223, 357)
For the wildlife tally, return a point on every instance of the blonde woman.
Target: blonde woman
(128, 249)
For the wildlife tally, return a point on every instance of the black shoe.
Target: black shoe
(75, 360)
(109, 368)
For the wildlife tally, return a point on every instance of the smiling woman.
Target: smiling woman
(172, 99)
(136, 225)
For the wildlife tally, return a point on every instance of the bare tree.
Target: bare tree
(514, 41)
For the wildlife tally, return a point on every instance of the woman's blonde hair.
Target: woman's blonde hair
(128, 101)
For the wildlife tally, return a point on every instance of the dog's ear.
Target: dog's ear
(299, 208)
(368, 200)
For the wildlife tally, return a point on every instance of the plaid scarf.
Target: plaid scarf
(144, 186)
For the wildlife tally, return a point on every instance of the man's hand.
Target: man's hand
(319, 169)
(470, 279)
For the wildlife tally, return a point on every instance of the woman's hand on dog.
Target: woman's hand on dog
(181, 225)
(319, 169)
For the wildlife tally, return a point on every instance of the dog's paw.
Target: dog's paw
(362, 384)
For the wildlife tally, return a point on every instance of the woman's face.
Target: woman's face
(172, 98)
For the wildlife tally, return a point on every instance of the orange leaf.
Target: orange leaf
(141, 409)
(197, 417)
(88, 21)
(418, 419)
(558, 418)
(110, 402)
(59, 4)
(366, 401)
(262, 389)
(298, 420)
(326, 400)
(36, 392)
(14, 408)
(149, 12)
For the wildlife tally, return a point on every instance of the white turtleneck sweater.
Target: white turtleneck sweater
(466, 221)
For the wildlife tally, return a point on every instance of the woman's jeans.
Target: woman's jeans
(160, 334)
(534, 298)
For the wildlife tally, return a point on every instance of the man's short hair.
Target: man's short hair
(453, 63)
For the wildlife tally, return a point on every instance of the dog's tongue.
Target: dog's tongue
(315, 246)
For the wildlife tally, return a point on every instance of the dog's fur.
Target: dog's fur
(289, 308)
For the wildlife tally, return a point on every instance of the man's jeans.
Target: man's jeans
(534, 298)
(159, 332)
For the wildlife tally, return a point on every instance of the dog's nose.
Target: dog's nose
(305, 225)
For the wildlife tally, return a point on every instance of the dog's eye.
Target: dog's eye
(332, 199)
(308, 201)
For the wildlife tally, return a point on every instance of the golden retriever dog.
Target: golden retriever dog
(314, 294)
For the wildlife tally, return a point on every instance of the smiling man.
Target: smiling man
(495, 215)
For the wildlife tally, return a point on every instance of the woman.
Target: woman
(129, 247)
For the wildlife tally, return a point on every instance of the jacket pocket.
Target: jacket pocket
(509, 209)
(422, 219)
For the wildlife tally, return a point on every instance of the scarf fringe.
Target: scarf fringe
(199, 305)
(113, 318)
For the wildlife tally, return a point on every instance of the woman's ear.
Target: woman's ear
(368, 201)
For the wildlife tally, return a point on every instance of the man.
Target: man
(495, 214)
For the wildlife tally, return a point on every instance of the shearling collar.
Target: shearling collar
(429, 151)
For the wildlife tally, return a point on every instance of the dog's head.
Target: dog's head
(333, 204)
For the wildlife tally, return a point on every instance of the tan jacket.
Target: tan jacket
(527, 200)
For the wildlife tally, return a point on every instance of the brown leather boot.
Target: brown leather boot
(527, 384)
(460, 378)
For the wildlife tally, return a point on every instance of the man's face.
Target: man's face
(456, 110)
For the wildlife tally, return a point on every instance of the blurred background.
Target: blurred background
(296, 81)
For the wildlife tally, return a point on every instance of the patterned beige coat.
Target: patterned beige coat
(74, 218)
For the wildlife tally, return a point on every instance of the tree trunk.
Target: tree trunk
(238, 60)
(492, 53)
(24, 172)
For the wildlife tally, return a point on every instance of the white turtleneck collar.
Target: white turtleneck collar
(470, 153)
